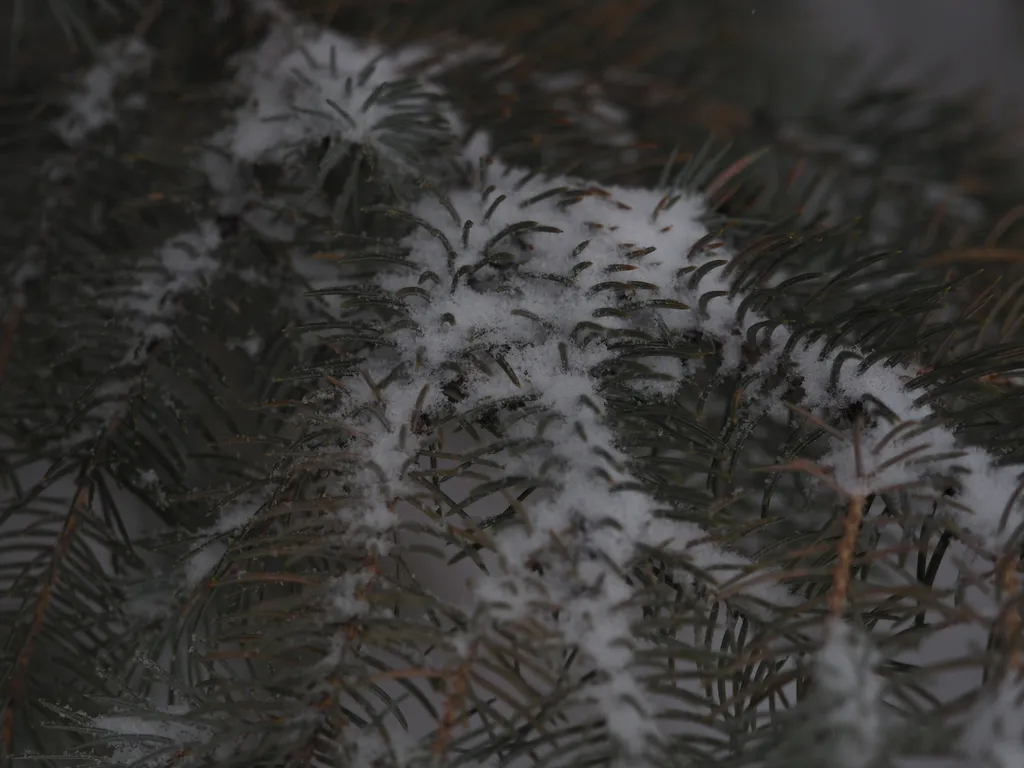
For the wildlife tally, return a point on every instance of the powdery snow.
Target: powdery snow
(538, 275)
(180, 266)
(994, 734)
(849, 694)
(304, 85)
(590, 247)
(93, 105)
(136, 736)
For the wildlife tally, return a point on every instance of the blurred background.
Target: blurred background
(978, 44)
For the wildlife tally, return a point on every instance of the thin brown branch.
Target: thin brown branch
(847, 547)
(454, 704)
(1011, 623)
(79, 506)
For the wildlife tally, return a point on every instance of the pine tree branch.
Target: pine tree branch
(81, 501)
(539, 468)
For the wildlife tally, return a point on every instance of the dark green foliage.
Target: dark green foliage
(873, 221)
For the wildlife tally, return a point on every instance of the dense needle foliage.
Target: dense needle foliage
(481, 383)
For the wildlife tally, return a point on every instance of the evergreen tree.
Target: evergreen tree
(483, 383)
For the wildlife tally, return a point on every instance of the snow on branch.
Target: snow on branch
(993, 735)
(304, 86)
(515, 269)
(181, 265)
(849, 692)
(524, 289)
(93, 105)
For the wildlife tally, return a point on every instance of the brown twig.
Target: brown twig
(847, 546)
(454, 704)
(1011, 624)
(79, 506)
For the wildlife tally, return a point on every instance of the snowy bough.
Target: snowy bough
(559, 472)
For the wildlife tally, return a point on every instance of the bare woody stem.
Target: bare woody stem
(847, 545)
(1011, 618)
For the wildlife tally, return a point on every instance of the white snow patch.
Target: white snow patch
(849, 695)
(93, 105)
(181, 265)
(994, 735)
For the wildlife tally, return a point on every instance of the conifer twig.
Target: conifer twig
(72, 522)
(1011, 622)
(847, 546)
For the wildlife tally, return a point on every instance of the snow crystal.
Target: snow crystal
(136, 735)
(182, 264)
(212, 543)
(305, 85)
(344, 595)
(92, 106)
(149, 480)
(201, 563)
(237, 514)
(251, 345)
